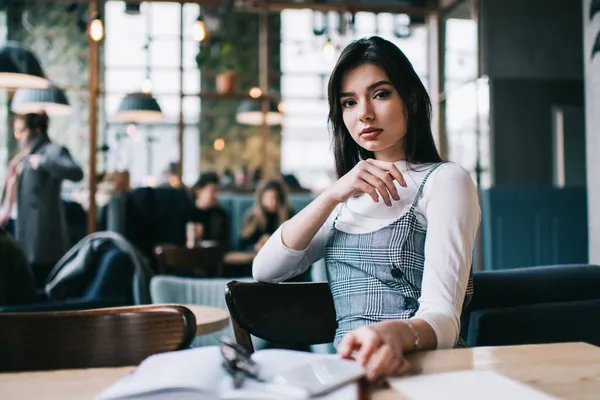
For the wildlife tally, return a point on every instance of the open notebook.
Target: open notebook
(197, 374)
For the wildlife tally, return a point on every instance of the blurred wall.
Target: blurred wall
(591, 32)
(531, 52)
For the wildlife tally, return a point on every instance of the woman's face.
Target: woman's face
(373, 112)
(269, 200)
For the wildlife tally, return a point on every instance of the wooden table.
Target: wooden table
(568, 371)
(239, 257)
(209, 319)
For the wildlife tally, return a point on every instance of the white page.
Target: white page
(465, 385)
(196, 369)
(274, 360)
(197, 374)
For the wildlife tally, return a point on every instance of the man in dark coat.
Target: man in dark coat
(33, 193)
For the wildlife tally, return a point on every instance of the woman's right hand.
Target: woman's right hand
(372, 177)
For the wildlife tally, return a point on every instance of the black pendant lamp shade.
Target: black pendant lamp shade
(139, 107)
(249, 113)
(19, 67)
(51, 100)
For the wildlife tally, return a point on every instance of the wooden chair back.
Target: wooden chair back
(105, 337)
(292, 313)
(198, 261)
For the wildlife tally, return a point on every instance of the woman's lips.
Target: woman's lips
(371, 135)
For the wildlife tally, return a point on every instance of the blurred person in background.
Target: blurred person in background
(32, 194)
(239, 178)
(212, 217)
(227, 179)
(269, 211)
(170, 177)
(293, 183)
(255, 177)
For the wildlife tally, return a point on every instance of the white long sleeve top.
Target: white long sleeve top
(448, 209)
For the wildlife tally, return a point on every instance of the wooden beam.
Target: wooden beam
(278, 6)
(434, 77)
(263, 65)
(350, 6)
(180, 125)
(92, 119)
(211, 3)
(440, 68)
(446, 5)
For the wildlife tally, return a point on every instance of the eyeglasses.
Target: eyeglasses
(240, 366)
(238, 363)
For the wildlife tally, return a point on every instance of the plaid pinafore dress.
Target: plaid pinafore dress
(377, 276)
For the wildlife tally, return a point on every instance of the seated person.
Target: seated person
(212, 217)
(170, 178)
(17, 285)
(397, 229)
(270, 210)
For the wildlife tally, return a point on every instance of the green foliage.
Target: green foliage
(236, 47)
(220, 56)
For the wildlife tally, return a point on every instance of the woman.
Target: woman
(398, 227)
(270, 210)
(33, 194)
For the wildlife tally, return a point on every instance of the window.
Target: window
(305, 72)
(465, 99)
(152, 49)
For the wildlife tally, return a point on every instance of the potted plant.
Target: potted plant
(221, 57)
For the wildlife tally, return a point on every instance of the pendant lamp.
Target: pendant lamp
(51, 100)
(19, 67)
(249, 113)
(139, 107)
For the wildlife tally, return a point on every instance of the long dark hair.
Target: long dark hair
(419, 146)
(256, 217)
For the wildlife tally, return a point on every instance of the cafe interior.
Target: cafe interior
(180, 124)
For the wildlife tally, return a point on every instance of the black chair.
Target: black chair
(107, 285)
(546, 304)
(206, 262)
(294, 314)
(156, 216)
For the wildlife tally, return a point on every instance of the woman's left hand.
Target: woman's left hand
(377, 347)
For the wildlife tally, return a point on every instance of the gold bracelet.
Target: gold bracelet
(417, 343)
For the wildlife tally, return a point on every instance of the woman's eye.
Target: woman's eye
(382, 94)
(348, 103)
